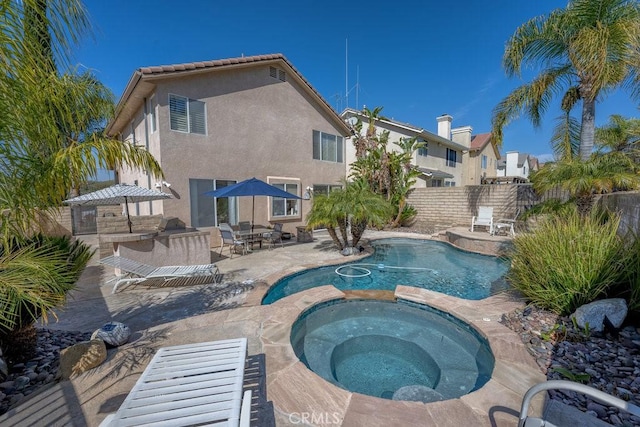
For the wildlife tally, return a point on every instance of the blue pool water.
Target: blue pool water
(394, 350)
(421, 263)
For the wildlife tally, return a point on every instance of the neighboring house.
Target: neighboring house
(440, 161)
(516, 167)
(481, 159)
(213, 123)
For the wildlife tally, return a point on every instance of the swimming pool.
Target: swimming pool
(425, 264)
(393, 350)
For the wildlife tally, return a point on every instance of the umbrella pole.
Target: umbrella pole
(126, 206)
(253, 211)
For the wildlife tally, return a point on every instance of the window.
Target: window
(207, 211)
(327, 147)
(449, 183)
(324, 189)
(484, 162)
(133, 133)
(451, 158)
(285, 207)
(152, 114)
(187, 115)
(423, 151)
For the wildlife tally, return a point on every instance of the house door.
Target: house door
(83, 220)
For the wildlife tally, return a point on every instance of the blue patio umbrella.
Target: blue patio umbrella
(251, 187)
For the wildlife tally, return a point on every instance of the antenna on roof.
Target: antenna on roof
(346, 71)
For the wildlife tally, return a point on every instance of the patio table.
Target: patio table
(252, 236)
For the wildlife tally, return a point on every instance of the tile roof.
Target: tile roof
(190, 66)
(479, 141)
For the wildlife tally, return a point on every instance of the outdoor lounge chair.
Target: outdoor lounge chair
(526, 421)
(484, 218)
(136, 272)
(192, 384)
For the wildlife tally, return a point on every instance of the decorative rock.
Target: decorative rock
(4, 369)
(21, 382)
(350, 251)
(417, 393)
(113, 334)
(593, 313)
(81, 357)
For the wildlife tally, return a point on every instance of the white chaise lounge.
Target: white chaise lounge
(136, 272)
(484, 218)
(193, 384)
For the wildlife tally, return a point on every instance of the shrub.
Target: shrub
(35, 276)
(569, 260)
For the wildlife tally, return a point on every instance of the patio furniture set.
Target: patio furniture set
(485, 219)
(245, 236)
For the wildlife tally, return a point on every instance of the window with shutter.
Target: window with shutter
(187, 115)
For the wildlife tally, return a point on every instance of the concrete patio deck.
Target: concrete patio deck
(170, 316)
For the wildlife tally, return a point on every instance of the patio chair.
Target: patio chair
(484, 218)
(192, 384)
(274, 236)
(136, 272)
(507, 224)
(234, 244)
(526, 421)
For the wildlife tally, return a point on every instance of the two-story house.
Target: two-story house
(481, 157)
(214, 123)
(516, 167)
(452, 157)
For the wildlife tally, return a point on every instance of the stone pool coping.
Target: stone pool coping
(297, 392)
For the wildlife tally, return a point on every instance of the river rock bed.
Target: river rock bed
(609, 362)
(26, 378)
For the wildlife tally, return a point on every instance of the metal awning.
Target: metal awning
(434, 173)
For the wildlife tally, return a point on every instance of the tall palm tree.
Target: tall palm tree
(50, 117)
(50, 139)
(586, 50)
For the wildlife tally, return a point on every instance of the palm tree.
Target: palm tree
(621, 135)
(355, 205)
(587, 49)
(50, 140)
(49, 121)
(404, 174)
(584, 179)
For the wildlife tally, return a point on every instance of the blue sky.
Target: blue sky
(417, 59)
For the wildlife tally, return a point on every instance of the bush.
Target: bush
(35, 276)
(569, 260)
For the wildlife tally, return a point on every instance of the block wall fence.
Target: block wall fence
(438, 207)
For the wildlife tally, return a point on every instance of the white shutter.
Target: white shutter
(178, 113)
(197, 121)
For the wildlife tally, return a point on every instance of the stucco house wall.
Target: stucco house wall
(256, 125)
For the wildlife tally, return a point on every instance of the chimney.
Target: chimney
(462, 135)
(512, 163)
(444, 126)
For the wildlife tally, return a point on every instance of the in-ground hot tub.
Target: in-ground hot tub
(393, 350)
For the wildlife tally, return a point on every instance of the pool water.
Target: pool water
(393, 350)
(425, 264)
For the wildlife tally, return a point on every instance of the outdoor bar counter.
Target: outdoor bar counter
(158, 248)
